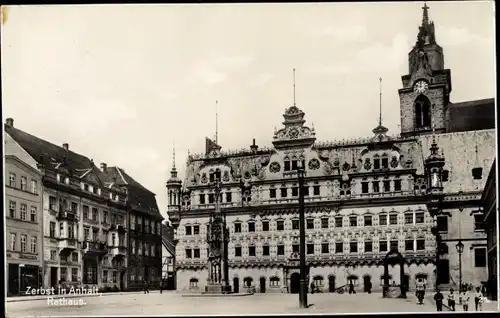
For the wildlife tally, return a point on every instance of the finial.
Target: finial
(217, 122)
(173, 154)
(294, 87)
(425, 15)
(380, 102)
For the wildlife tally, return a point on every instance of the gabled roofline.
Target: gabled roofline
(16, 158)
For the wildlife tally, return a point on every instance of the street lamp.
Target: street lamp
(460, 250)
(302, 238)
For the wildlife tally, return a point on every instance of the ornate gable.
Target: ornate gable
(294, 134)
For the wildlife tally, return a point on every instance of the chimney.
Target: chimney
(9, 122)
(254, 147)
(104, 166)
(66, 146)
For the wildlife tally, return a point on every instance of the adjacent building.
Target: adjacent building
(24, 219)
(168, 257)
(144, 230)
(490, 211)
(365, 198)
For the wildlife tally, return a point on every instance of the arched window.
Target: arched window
(422, 112)
(318, 281)
(275, 281)
(193, 283)
(248, 281)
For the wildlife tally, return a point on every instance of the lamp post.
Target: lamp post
(460, 250)
(302, 239)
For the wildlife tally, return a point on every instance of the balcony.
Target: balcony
(118, 249)
(118, 227)
(67, 243)
(67, 215)
(94, 248)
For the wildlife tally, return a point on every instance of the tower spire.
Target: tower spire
(173, 155)
(425, 14)
(217, 122)
(380, 102)
(294, 87)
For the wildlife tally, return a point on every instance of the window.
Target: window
(24, 183)
(387, 186)
(188, 230)
(251, 226)
(295, 191)
(104, 276)
(210, 198)
(287, 165)
(189, 253)
(251, 251)
(86, 212)
(115, 276)
(202, 198)
(295, 224)
(422, 108)
(442, 223)
(324, 223)
(95, 216)
(419, 217)
(368, 247)
(265, 226)
(13, 241)
(74, 207)
(305, 189)
(33, 245)
(265, 250)
(408, 218)
(310, 223)
(420, 244)
(295, 248)
(325, 248)
(339, 248)
(385, 163)
(383, 246)
(12, 180)
(478, 222)
(368, 220)
(280, 225)
(310, 248)
(24, 212)
(74, 256)
(393, 219)
(338, 221)
(394, 245)
(237, 227)
(274, 281)
(196, 229)
(397, 185)
(64, 273)
(316, 190)
(281, 250)
(353, 221)
(376, 163)
(272, 193)
(364, 187)
(193, 283)
(283, 192)
(196, 253)
(237, 251)
(52, 203)
(74, 274)
(480, 257)
(408, 245)
(24, 239)
(295, 165)
(353, 247)
(52, 229)
(53, 255)
(376, 188)
(12, 209)
(229, 197)
(382, 219)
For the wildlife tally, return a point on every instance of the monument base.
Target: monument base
(217, 289)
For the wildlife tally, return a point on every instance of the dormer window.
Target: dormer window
(287, 165)
(376, 163)
(385, 162)
(85, 187)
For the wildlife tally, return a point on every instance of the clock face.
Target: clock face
(420, 87)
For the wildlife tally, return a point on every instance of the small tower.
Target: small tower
(434, 172)
(174, 185)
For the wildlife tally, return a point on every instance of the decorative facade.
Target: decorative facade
(364, 197)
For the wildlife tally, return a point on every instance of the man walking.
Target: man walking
(146, 287)
(438, 297)
(451, 300)
(465, 298)
(478, 299)
(420, 291)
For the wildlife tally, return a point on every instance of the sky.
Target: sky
(121, 83)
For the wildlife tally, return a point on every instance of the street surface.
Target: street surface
(172, 303)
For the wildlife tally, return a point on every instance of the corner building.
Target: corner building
(364, 198)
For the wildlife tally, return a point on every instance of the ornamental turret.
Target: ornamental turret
(434, 174)
(174, 185)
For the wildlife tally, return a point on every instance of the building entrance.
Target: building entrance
(295, 283)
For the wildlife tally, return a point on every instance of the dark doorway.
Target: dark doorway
(262, 284)
(406, 282)
(393, 258)
(236, 285)
(122, 281)
(366, 283)
(331, 284)
(444, 271)
(53, 277)
(13, 279)
(295, 283)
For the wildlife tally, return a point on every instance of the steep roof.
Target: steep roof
(472, 115)
(168, 238)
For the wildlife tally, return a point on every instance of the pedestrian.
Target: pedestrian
(478, 299)
(420, 291)
(161, 286)
(351, 288)
(451, 300)
(312, 288)
(146, 287)
(465, 299)
(369, 287)
(438, 297)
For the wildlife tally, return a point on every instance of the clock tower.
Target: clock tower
(424, 97)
